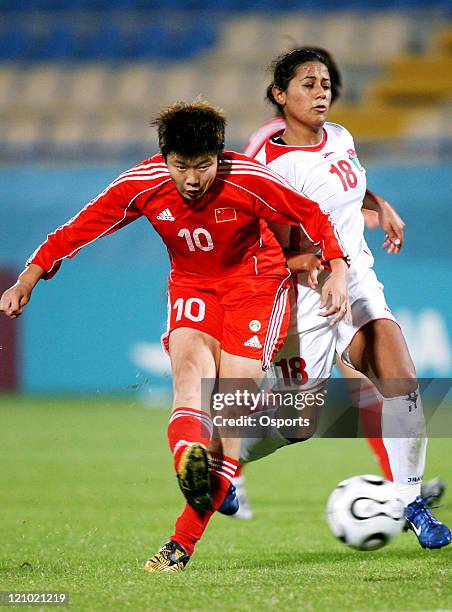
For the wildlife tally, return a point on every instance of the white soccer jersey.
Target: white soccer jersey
(330, 174)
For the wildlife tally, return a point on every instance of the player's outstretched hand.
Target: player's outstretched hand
(306, 262)
(14, 299)
(335, 296)
(393, 225)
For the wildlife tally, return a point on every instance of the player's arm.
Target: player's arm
(279, 203)
(335, 292)
(105, 214)
(388, 219)
(296, 209)
(15, 298)
(335, 289)
(297, 262)
(312, 265)
(370, 218)
(305, 262)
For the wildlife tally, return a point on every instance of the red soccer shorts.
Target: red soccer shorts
(248, 316)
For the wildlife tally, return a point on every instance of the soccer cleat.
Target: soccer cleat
(230, 505)
(170, 558)
(432, 491)
(430, 532)
(193, 476)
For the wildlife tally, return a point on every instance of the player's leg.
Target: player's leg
(369, 402)
(241, 509)
(239, 359)
(250, 326)
(307, 354)
(291, 367)
(379, 351)
(235, 372)
(194, 357)
(366, 398)
(193, 342)
(195, 321)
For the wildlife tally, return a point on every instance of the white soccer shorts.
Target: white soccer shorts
(311, 344)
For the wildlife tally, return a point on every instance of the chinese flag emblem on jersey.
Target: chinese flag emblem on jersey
(225, 214)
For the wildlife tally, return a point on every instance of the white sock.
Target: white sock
(238, 481)
(262, 440)
(404, 436)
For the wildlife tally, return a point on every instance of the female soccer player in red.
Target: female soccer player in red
(228, 284)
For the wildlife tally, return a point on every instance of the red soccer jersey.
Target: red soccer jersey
(215, 235)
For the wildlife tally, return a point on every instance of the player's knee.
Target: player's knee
(403, 382)
(187, 377)
(408, 378)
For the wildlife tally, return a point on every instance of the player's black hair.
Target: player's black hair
(285, 66)
(191, 129)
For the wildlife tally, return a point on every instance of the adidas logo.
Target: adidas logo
(254, 342)
(165, 215)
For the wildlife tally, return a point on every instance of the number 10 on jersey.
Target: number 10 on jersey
(201, 239)
(193, 309)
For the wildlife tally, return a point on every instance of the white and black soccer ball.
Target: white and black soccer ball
(365, 512)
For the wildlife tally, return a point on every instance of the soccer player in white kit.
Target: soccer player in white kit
(363, 393)
(319, 159)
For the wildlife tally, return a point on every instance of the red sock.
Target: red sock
(190, 525)
(370, 404)
(187, 425)
(381, 454)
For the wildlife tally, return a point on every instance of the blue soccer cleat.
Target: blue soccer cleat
(230, 503)
(430, 532)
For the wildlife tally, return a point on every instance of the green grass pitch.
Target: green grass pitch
(88, 493)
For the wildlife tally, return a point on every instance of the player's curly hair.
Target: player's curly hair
(191, 129)
(285, 66)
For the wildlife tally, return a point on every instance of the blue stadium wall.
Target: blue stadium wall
(95, 328)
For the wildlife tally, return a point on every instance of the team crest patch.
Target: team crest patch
(255, 325)
(225, 214)
(354, 159)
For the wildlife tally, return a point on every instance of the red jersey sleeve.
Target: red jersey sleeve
(106, 213)
(276, 200)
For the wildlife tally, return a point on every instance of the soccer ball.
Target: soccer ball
(365, 512)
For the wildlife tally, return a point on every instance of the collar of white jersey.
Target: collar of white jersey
(273, 150)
